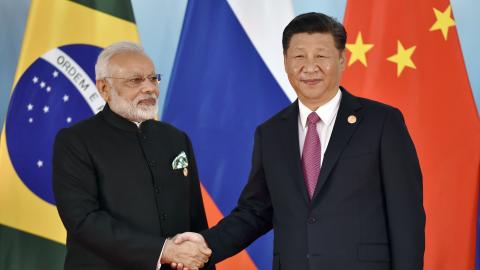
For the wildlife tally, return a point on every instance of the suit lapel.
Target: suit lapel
(291, 144)
(341, 134)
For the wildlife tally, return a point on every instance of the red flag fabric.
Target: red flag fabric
(407, 54)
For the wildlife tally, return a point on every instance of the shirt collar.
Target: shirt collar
(326, 112)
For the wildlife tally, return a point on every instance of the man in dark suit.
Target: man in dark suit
(336, 176)
(124, 182)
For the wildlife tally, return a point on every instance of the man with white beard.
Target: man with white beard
(123, 182)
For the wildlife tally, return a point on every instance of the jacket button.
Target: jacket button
(164, 216)
(308, 256)
(157, 190)
(152, 163)
(312, 220)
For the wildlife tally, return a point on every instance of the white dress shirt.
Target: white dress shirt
(327, 113)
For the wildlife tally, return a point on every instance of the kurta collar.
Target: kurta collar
(118, 121)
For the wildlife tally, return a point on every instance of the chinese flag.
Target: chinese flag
(407, 54)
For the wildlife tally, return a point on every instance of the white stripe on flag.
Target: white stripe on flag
(77, 76)
(264, 21)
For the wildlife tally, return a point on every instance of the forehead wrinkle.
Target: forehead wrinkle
(132, 63)
(125, 71)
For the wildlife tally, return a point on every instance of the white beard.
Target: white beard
(133, 111)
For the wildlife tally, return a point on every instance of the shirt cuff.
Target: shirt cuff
(160, 258)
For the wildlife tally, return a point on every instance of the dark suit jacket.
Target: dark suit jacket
(117, 193)
(367, 210)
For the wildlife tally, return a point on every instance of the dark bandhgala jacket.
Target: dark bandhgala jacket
(117, 193)
(367, 210)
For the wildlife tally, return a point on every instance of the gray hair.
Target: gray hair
(103, 60)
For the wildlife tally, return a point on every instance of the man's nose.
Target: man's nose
(149, 87)
(311, 65)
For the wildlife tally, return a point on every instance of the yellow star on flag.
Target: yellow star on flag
(403, 58)
(444, 21)
(358, 50)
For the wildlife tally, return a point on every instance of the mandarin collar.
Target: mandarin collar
(118, 121)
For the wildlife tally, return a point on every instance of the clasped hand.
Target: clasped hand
(186, 251)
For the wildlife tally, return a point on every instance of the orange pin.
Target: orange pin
(185, 171)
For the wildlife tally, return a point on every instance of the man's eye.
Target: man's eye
(152, 78)
(136, 80)
(299, 56)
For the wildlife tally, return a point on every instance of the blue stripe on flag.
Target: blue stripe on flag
(220, 90)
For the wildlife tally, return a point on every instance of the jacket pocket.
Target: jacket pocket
(373, 252)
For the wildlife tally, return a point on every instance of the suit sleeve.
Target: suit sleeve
(402, 182)
(251, 218)
(76, 194)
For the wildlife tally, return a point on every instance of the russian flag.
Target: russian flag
(228, 77)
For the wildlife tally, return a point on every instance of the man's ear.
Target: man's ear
(103, 89)
(343, 60)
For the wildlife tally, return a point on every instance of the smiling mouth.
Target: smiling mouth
(311, 81)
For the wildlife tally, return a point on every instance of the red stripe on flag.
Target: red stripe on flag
(242, 260)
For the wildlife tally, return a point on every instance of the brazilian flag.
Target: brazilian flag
(54, 87)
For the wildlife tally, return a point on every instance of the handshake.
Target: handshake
(186, 251)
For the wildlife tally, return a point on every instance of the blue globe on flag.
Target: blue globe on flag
(56, 91)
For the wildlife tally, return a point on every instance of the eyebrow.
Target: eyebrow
(141, 74)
